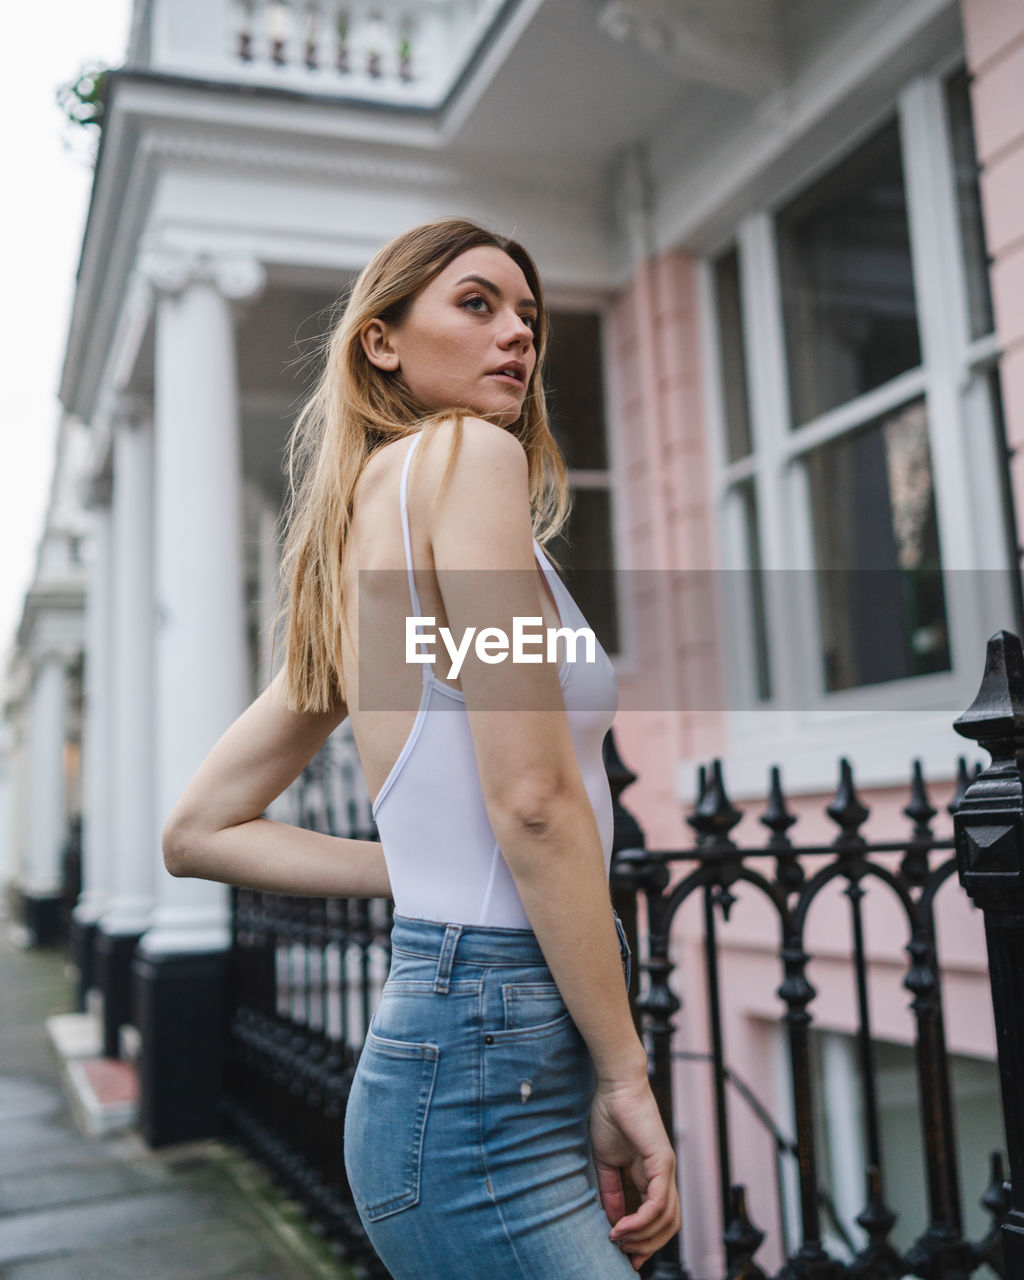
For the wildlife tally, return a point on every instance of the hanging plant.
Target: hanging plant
(82, 102)
(83, 99)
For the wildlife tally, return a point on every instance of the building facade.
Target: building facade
(784, 250)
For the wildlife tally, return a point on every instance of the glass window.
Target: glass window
(845, 322)
(968, 202)
(733, 361)
(881, 604)
(847, 285)
(574, 386)
(747, 495)
(838, 1098)
(587, 558)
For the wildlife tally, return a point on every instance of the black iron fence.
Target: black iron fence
(308, 974)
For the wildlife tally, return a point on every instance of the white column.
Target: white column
(96, 746)
(130, 902)
(201, 652)
(7, 828)
(18, 718)
(45, 811)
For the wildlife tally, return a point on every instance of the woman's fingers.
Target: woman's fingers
(657, 1197)
(636, 1222)
(613, 1198)
(653, 1224)
(627, 1131)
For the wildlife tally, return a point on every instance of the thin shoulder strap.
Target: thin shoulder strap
(404, 496)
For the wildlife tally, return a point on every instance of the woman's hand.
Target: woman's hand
(627, 1133)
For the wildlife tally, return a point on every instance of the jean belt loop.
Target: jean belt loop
(442, 982)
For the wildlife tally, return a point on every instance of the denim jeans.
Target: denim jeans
(467, 1127)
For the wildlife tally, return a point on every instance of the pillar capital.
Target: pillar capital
(52, 654)
(170, 270)
(130, 409)
(95, 491)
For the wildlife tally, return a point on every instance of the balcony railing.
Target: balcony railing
(405, 53)
(308, 975)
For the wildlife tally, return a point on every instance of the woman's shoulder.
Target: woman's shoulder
(471, 443)
(480, 510)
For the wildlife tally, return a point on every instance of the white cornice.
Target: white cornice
(353, 165)
(52, 622)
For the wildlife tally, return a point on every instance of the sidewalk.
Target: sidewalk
(77, 1208)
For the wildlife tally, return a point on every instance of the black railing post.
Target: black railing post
(989, 834)
(627, 839)
(713, 820)
(634, 872)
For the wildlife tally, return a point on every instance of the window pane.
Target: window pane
(733, 356)
(575, 389)
(880, 597)
(968, 199)
(588, 565)
(755, 586)
(847, 288)
(838, 1097)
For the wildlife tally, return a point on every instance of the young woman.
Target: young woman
(502, 1087)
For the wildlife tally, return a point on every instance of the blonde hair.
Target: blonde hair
(355, 410)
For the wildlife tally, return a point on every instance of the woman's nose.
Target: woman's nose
(518, 329)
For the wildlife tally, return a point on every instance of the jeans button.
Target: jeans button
(488, 1039)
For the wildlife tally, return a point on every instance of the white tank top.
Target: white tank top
(442, 857)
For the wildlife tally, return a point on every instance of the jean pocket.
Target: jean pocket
(532, 1006)
(385, 1123)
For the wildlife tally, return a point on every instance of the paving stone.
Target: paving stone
(28, 1235)
(21, 1099)
(30, 1191)
(216, 1250)
(77, 1208)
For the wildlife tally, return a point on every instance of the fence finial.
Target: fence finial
(715, 815)
(995, 718)
(989, 834)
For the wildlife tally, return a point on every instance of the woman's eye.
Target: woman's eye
(531, 320)
(475, 303)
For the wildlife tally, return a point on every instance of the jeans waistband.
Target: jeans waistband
(475, 944)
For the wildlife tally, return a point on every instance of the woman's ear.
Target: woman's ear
(376, 340)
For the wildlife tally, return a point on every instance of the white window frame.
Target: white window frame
(966, 474)
(610, 479)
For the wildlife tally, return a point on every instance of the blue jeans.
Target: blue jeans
(467, 1127)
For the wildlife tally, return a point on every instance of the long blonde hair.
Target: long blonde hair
(355, 410)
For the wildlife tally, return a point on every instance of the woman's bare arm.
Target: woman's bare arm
(533, 790)
(216, 831)
(543, 820)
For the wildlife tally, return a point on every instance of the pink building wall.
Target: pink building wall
(658, 413)
(994, 36)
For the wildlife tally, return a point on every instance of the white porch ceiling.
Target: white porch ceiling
(568, 97)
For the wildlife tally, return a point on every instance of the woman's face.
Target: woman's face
(467, 340)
